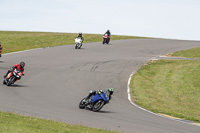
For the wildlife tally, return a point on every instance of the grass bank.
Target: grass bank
(12, 123)
(190, 53)
(13, 41)
(169, 87)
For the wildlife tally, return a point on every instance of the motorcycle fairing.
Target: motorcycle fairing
(97, 97)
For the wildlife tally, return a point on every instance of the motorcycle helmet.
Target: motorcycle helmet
(110, 90)
(80, 34)
(22, 64)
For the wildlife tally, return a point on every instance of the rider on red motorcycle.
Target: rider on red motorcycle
(108, 32)
(19, 66)
(106, 37)
(0, 49)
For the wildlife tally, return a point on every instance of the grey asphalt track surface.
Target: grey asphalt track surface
(57, 78)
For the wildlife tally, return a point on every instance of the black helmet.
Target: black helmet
(80, 34)
(22, 64)
(110, 90)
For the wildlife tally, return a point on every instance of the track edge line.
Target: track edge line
(160, 115)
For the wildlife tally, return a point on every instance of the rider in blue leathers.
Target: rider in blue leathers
(93, 92)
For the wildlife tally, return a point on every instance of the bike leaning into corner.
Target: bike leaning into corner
(12, 77)
(96, 99)
(14, 74)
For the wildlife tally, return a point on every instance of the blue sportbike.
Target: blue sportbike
(95, 102)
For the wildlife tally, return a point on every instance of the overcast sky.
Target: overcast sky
(174, 19)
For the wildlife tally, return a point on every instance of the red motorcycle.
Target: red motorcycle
(106, 39)
(12, 77)
(0, 49)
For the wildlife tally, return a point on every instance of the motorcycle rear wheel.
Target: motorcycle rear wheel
(107, 41)
(98, 105)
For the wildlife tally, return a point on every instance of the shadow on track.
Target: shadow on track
(16, 85)
(101, 111)
(2, 61)
(105, 111)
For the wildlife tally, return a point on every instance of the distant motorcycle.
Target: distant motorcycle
(96, 102)
(78, 43)
(12, 77)
(0, 49)
(106, 39)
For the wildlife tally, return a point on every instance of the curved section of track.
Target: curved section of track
(57, 78)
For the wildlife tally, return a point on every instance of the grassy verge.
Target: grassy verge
(11, 123)
(190, 53)
(169, 87)
(17, 41)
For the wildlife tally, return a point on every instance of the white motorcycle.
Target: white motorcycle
(78, 43)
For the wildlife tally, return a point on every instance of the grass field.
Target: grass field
(13, 41)
(190, 53)
(170, 87)
(12, 123)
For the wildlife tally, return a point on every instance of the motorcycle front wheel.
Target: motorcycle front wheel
(81, 104)
(76, 46)
(79, 47)
(98, 105)
(10, 80)
(4, 82)
(107, 41)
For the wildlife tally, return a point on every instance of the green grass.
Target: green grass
(13, 41)
(170, 87)
(12, 123)
(190, 53)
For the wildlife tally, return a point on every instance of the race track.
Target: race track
(57, 78)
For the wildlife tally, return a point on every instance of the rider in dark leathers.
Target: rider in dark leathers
(108, 32)
(80, 36)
